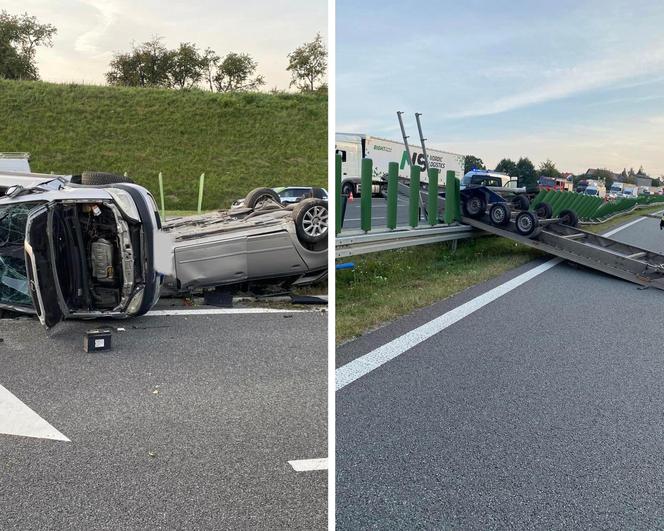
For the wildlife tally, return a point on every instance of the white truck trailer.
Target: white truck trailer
(354, 147)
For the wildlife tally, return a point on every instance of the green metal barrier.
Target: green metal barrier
(392, 194)
(432, 206)
(337, 193)
(365, 193)
(452, 198)
(414, 202)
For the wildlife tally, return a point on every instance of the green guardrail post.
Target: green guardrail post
(451, 198)
(414, 200)
(201, 185)
(392, 194)
(337, 193)
(432, 206)
(161, 195)
(365, 194)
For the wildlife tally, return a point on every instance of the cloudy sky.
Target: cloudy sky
(89, 31)
(579, 82)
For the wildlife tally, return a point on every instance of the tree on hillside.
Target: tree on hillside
(471, 162)
(188, 66)
(210, 65)
(146, 65)
(235, 74)
(20, 35)
(507, 166)
(525, 172)
(548, 169)
(308, 64)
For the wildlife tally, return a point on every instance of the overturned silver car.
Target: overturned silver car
(94, 246)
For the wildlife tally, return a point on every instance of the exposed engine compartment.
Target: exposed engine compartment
(103, 273)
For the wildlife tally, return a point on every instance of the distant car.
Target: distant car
(294, 194)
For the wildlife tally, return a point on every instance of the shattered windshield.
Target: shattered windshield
(13, 278)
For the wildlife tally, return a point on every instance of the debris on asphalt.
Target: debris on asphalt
(97, 340)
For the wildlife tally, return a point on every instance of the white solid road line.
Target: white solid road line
(307, 465)
(18, 419)
(618, 229)
(364, 364)
(221, 311)
(368, 362)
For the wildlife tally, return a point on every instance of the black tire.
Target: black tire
(98, 178)
(521, 202)
(474, 206)
(499, 214)
(348, 188)
(544, 210)
(526, 223)
(569, 217)
(311, 220)
(258, 196)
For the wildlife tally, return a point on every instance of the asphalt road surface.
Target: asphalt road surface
(540, 409)
(378, 213)
(188, 423)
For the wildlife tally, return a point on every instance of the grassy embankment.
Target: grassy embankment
(387, 285)
(240, 141)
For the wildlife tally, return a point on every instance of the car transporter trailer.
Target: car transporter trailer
(560, 237)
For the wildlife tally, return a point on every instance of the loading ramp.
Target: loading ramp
(621, 260)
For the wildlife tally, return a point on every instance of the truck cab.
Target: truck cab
(352, 148)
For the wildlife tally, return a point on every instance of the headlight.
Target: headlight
(125, 203)
(135, 303)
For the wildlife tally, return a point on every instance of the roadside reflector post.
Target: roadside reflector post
(365, 194)
(451, 198)
(432, 206)
(201, 185)
(161, 195)
(392, 192)
(337, 192)
(414, 199)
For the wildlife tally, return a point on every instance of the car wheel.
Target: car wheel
(526, 223)
(474, 206)
(569, 217)
(499, 214)
(259, 197)
(544, 210)
(347, 189)
(521, 202)
(98, 178)
(310, 216)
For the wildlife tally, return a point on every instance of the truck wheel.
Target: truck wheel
(526, 223)
(544, 210)
(258, 197)
(347, 189)
(569, 217)
(499, 214)
(310, 216)
(98, 178)
(521, 202)
(474, 206)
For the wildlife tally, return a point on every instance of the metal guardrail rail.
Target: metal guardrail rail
(357, 242)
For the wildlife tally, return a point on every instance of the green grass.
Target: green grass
(240, 141)
(386, 285)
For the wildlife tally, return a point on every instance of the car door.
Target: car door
(41, 276)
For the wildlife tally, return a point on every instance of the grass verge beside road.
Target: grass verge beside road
(387, 285)
(240, 141)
